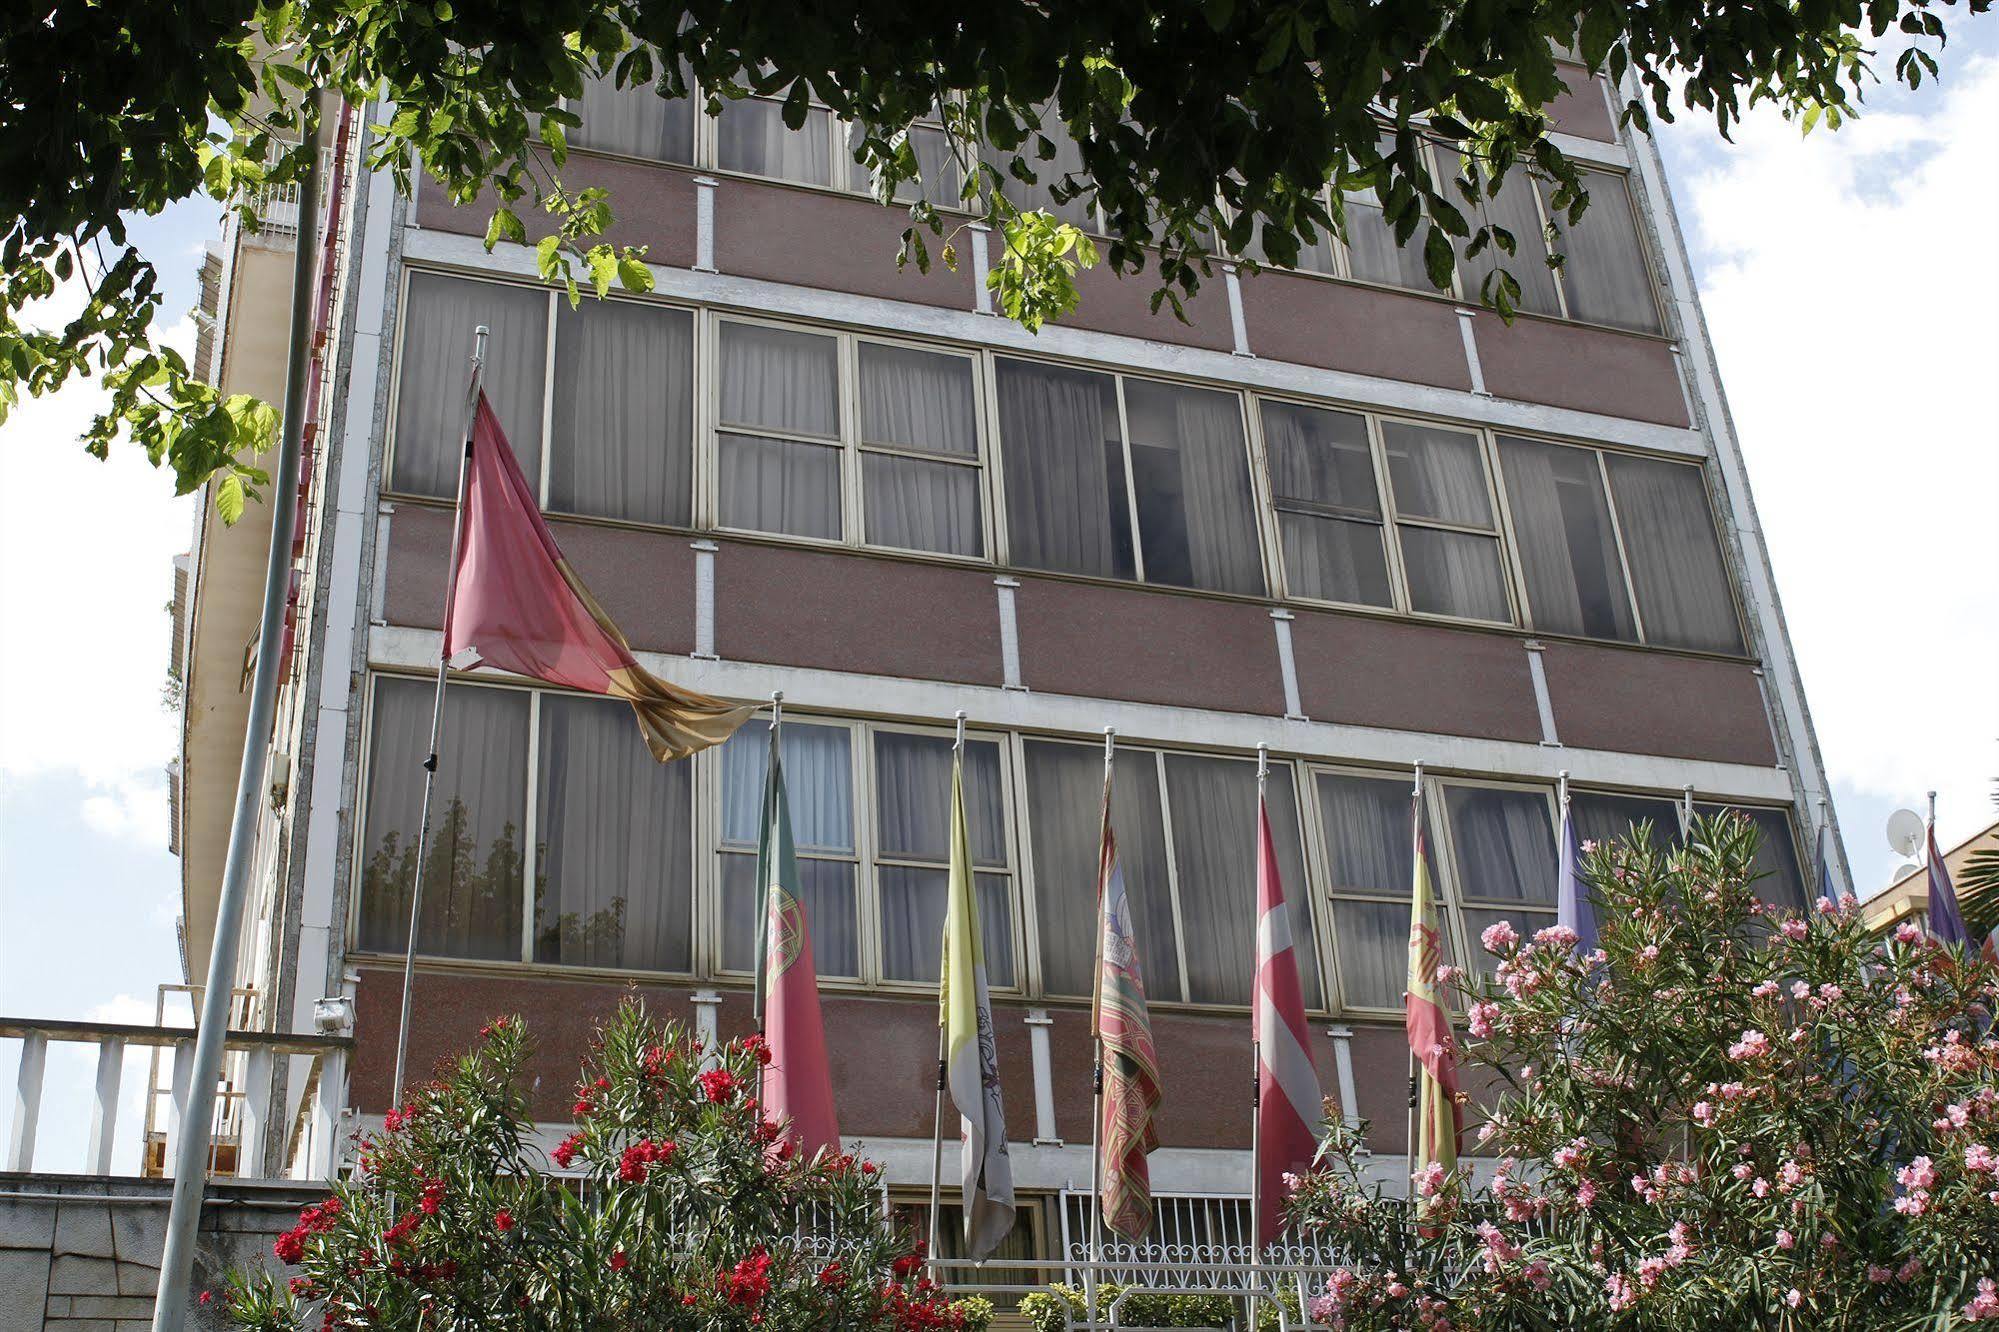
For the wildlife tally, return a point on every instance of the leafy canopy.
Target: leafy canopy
(1196, 120)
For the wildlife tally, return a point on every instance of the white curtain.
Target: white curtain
(1065, 488)
(1605, 273)
(1561, 526)
(1196, 515)
(1066, 164)
(1320, 460)
(636, 121)
(1512, 210)
(474, 873)
(439, 317)
(920, 400)
(622, 429)
(917, 505)
(779, 380)
(1676, 564)
(1439, 474)
(1365, 821)
(1504, 842)
(615, 880)
(750, 136)
(913, 823)
(1372, 253)
(819, 788)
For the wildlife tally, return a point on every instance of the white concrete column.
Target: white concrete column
(1343, 1071)
(1038, 1023)
(1470, 337)
(704, 224)
(982, 297)
(27, 1104)
(183, 1080)
(1238, 326)
(255, 1121)
(704, 599)
(1287, 665)
(1009, 626)
(707, 1023)
(1544, 702)
(104, 1109)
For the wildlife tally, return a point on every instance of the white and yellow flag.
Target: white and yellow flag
(971, 1054)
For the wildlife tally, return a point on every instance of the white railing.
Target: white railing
(276, 209)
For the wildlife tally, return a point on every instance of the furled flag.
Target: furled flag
(798, 1085)
(1130, 1065)
(1946, 921)
(1289, 1109)
(971, 1053)
(1439, 1119)
(1824, 851)
(1572, 905)
(515, 604)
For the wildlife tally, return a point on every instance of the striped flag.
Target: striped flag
(971, 1052)
(1289, 1109)
(1946, 921)
(515, 604)
(1572, 905)
(1427, 1019)
(797, 1088)
(1130, 1066)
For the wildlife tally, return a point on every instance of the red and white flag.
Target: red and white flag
(1289, 1109)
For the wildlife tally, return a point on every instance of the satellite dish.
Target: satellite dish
(1908, 871)
(1905, 832)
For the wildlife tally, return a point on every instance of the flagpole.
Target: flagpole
(437, 715)
(1097, 1045)
(937, 1119)
(1416, 849)
(1256, 1237)
(1686, 812)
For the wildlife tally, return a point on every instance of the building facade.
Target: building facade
(1334, 512)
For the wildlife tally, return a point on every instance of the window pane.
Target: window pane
(615, 828)
(779, 485)
(1190, 468)
(1454, 573)
(1676, 564)
(939, 180)
(1064, 800)
(622, 432)
(780, 380)
(1067, 162)
(916, 505)
(913, 798)
(1514, 211)
(818, 785)
(436, 367)
(1213, 802)
(1604, 273)
(1561, 525)
(635, 121)
(1612, 818)
(1066, 505)
(1373, 255)
(1334, 559)
(750, 136)
(1437, 474)
(917, 400)
(1367, 834)
(826, 891)
(1373, 948)
(1320, 457)
(913, 903)
(1504, 843)
(475, 870)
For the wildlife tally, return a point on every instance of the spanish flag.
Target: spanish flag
(1427, 1019)
(516, 605)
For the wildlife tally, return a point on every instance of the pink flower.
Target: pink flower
(1585, 1195)
(1984, 1306)
(1879, 1275)
(1794, 1297)
(1786, 1240)
(1908, 932)
(1794, 928)
(1753, 1045)
(1768, 989)
(1498, 936)
(1918, 1174)
(1482, 1019)
(1556, 936)
(1981, 1160)
(1622, 1295)
(1430, 1180)
(1909, 1271)
(1704, 1114)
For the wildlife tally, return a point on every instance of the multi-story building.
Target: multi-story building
(1334, 512)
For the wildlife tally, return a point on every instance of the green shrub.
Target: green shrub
(1049, 1310)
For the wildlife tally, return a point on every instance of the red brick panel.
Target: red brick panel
(1356, 328)
(1584, 368)
(1644, 702)
(652, 205)
(828, 241)
(1111, 304)
(1360, 670)
(1582, 110)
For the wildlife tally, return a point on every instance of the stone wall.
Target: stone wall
(82, 1253)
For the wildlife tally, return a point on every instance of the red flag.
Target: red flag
(1288, 1104)
(515, 604)
(798, 1087)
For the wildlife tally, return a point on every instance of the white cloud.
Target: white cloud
(1850, 286)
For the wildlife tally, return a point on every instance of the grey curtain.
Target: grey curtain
(1372, 253)
(636, 121)
(439, 316)
(1504, 842)
(913, 822)
(916, 505)
(750, 136)
(1365, 821)
(1439, 474)
(1066, 163)
(474, 876)
(1561, 526)
(1064, 799)
(622, 429)
(819, 787)
(920, 400)
(1610, 818)
(1604, 273)
(1782, 883)
(1066, 505)
(1196, 513)
(1321, 464)
(615, 881)
(1676, 564)
(779, 380)
(939, 178)
(1513, 210)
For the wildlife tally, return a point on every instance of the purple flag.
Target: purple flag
(1946, 921)
(1572, 904)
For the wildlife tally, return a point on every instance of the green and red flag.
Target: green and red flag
(1123, 1029)
(515, 604)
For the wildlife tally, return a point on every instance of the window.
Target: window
(1372, 253)
(621, 441)
(784, 436)
(913, 852)
(751, 137)
(475, 866)
(1566, 540)
(1370, 868)
(1055, 158)
(1677, 572)
(1603, 817)
(1186, 837)
(940, 178)
(1605, 276)
(440, 315)
(614, 832)
(1125, 478)
(1517, 211)
(1502, 845)
(1322, 482)
(1444, 522)
(819, 787)
(636, 121)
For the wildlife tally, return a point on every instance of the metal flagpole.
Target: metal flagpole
(767, 867)
(1097, 1066)
(1416, 865)
(436, 717)
(1256, 1236)
(937, 1130)
(191, 1159)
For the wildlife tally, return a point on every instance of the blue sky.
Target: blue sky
(1856, 340)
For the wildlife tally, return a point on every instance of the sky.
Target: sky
(1850, 282)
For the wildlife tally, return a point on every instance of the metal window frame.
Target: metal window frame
(1378, 426)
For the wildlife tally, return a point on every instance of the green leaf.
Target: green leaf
(229, 498)
(603, 266)
(633, 273)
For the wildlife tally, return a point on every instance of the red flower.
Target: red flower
(207, 1297)
(290, 1246)
(911, 1263)
(503, 1220)
(748, 1282)
(618, 1260)
(565, 1152)
(300, 1286)
(832, 1277)
(758, 1046)
(497, 1024)
(400, 1231)
(717, 1084)
(433, 1195)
